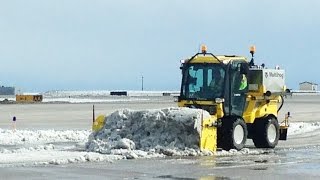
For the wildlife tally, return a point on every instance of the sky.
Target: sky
(111, 45)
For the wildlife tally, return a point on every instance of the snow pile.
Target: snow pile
(102, 93)
(91, 100)
(170, 131)
(41, 147)
(82, 157)
(51, 156)
(302, 127)
(151, 93)
(62, 93)
(9, 137)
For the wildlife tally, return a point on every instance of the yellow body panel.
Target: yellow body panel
(220, 113)
(259, 108)
(208, 136)
(184, 103)
(258, 105)
(211, 59)
(98, 123)
(204, 59)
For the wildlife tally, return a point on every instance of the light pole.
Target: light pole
(142, 82)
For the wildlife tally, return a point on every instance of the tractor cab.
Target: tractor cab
(209, 81)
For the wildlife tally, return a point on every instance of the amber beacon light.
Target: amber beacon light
(203, 49)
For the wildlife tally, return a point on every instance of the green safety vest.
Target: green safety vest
(244, 83)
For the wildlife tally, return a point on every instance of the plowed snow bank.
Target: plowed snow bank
(169, 131)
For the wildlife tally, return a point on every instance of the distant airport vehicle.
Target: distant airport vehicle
(28, 98)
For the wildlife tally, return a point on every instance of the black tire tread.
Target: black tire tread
(260, 137)
(225, 133)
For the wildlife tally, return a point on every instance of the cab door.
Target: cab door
(238, 87)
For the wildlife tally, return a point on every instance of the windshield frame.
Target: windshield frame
(202, 77)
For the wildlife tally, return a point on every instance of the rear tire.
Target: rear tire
(266, 132)
(232, 134)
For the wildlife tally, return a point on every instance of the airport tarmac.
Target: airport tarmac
(296, 158)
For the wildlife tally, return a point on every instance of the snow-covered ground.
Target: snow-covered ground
(101, 93)
(26, 147)
(128, 134)
(91, 100)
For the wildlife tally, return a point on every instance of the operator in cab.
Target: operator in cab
(216, 84)
(243, 83)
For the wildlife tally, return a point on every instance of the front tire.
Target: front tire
(232, 134)
(266, 132)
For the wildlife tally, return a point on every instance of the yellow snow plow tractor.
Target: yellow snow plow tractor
(243, 99)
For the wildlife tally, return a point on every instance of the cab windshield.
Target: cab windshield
(203, 81)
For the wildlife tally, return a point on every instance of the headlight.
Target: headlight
(219, 100)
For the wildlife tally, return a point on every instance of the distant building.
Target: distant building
(308, 86)
(7, 90)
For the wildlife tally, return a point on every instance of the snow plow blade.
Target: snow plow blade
(98, 123)
(208, 136)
